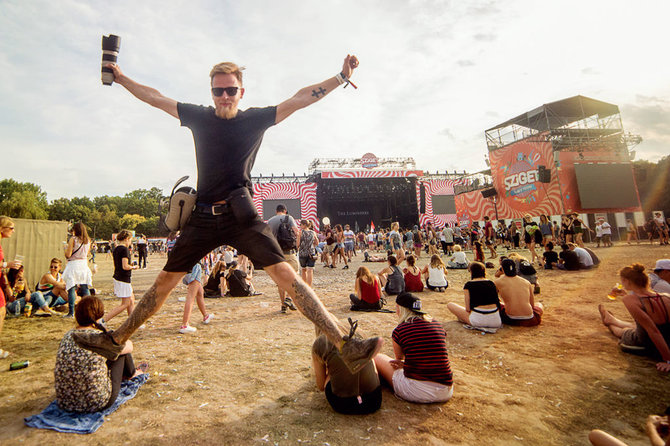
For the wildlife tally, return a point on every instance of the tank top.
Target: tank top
(396, 281)
(413, 282)
(436, 277)
(370, 292)
(49, 286)
(79, 251)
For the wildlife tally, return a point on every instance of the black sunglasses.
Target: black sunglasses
(230, 91)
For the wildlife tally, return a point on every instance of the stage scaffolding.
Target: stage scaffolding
(573, 124)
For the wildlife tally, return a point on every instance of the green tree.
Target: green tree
(130, 221)
(142, 202)
(104, 222)
(149, 227)
(22, 200)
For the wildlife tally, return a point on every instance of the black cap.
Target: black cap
(509, 267)
(410, 301)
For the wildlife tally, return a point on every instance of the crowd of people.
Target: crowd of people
(347, 367)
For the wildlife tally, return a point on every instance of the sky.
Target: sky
(433, 76)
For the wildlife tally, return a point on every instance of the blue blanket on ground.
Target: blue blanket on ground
(53, 417)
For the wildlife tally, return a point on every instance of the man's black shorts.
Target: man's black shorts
(205, 232)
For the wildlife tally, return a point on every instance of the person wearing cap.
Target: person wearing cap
(420, 372)
(660, 278)
(519, 307)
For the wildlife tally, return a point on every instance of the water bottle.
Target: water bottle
(19, 365)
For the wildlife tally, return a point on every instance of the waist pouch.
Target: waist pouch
(242, 205)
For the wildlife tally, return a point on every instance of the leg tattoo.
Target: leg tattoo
(309, 304)
(146, 307)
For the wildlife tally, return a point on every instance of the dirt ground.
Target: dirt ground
(247, 378)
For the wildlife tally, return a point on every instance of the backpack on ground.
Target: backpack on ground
(286, 235)
(526, 268)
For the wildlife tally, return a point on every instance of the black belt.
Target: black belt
(485, 312)
(213, 209)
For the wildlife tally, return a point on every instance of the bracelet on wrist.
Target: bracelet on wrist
(342, 78)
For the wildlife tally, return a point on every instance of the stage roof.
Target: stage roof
(561, 113)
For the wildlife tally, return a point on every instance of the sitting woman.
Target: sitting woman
(650, 331)
(482, 305)
(20, 296)
(413, 282)
(238, 282)
(216, 282)
(436, 274)
(368, 291)
(420, 372)
(85, 381)
(458, 260)
(352, 394)
(391, 277)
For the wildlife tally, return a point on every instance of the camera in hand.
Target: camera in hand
(110, 52)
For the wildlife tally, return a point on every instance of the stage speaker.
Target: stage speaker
(544, 174)
(422, 199)
(488, 193)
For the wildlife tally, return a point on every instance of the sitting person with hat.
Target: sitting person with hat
(519, 307)
(660, 278)
(420, 372)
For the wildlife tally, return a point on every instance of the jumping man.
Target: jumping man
(226, 143)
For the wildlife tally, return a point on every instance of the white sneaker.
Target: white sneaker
(187, 329)
(208, 319)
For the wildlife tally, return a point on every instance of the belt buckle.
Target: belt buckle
(214, 206)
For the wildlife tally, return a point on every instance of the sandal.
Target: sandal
(143, 367)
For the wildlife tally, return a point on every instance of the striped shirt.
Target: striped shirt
(425, 348)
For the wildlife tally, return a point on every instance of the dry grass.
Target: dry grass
(246, 378)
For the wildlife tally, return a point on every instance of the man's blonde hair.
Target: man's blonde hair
(226, 68)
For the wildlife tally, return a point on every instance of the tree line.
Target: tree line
(138, 210)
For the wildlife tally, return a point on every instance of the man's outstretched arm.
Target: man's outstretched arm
(309, 95)
(145, 94)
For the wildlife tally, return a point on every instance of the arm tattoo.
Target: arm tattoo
(309, 304)
(317, 93)
(144, 309)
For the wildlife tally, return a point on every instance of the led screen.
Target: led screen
(603, 186)
(443, 204)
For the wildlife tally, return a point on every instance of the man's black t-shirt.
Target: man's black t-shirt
(570, 260)
(120, 274)
(225, 149)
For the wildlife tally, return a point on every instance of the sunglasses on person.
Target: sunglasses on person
(230, 91)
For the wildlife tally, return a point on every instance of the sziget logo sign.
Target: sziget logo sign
(521, 182)
(369, 161)
(519, 176)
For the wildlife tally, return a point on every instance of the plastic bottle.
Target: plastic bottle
(19, 365)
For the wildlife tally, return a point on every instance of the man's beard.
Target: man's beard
(226, 112)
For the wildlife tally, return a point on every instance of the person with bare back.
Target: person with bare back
(226, 143)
